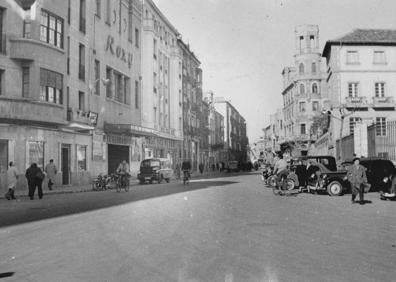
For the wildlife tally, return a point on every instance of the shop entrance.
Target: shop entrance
(116, 154)
(65, 164)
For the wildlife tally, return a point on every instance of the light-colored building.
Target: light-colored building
(304, 94)
(62, 82)
(162, 84)
(361, 72)
(216, 132)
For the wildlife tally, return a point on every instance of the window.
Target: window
(302, 128)
(97, 77)
(379, 89)
(352, 122)
(118, 87)
(302, 108)
(301, 68)
(352, 57)
(36, 153)
(82, 15)
(154, 48)
(312, 41)
(25, 81)
(98, 8)
(68, 11)
(155, 114)
(136, 94)
(109, 86)
(314, 88)
(379, 57)
(81, 62)
(68, 55)
(155, 82)
(81, 101)
(51, 86)
(1, 82)
(67, 97)
(108, 11)
(353, 89)
(3, 156)
(51, 29)
(81, 151)
(301, 42)
(302, 88)
(315, 106)
(313, 67)
(26, 29)
(137, 37)
(2, 36)
(380, 126)
(130, 23)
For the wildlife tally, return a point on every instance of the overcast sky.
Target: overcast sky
(244, 45)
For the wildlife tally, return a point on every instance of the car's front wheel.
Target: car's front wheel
(334, 188)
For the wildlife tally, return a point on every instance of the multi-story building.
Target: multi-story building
(162, 83)
(204, 134)
(303, 90)
(216, 132)
(235, 139)
(361, 72)
(192, 104)
(62, 81)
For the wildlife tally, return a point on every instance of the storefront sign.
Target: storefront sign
(98, 147)
(118, 51)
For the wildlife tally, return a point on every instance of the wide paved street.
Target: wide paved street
(221, 229)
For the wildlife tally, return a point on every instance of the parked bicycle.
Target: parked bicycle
(186, 177)
(101, 182)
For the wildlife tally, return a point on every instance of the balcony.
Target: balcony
(383, 102)
(30, 49)
(79, 116)
(356, 102)
(31, 111)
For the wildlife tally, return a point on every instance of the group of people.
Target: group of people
(35, 177)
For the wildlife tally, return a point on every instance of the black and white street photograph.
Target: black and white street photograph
(198, 140)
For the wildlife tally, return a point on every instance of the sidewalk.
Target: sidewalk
(88, 187)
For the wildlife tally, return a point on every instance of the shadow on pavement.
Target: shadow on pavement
(51, 206)
(6, 274)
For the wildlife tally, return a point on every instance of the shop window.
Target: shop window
(36, 153)
(81, 157)
(51, 85)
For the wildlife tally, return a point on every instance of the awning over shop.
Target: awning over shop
(128, 129)
(79, 126)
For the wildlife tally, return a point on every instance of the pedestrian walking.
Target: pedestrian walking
(35, 177)
(12, 178)
(301, 171)
(51, 171)
(357, 177)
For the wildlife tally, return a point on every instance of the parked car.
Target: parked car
(232, 166)
(328, 161)
(376, 170)
(155, 169)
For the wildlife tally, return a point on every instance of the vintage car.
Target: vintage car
(155, 169)
(328, 161)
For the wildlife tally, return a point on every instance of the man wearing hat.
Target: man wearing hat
(357, 177)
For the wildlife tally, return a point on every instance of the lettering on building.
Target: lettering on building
(118, 51)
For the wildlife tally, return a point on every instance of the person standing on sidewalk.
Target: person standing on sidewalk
(35, 178)
(51, 171)
(357, 177)
(12, 177)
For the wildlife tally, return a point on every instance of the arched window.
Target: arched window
(301, 68)
(302, 88)
(313, 67)
(314, 88)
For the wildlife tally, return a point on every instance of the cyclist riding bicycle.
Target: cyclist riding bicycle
(123, 172)
(280, 169)
(186, 167)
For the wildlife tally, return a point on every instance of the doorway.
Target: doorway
(116, 154)
(65, 164)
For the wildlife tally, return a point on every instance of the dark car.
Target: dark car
(328, 161)
(320, 178)
(376, 170)
(155, 170)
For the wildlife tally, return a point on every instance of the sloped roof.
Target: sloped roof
(364, 37)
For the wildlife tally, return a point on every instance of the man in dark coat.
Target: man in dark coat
(357, 177)
(301, 171)
(35, 177)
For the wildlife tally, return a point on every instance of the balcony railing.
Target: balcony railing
(383, 101)
(356, 101)
(76, 115)
(3, 43)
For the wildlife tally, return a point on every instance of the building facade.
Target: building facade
(204, 133)
(235, 139)
(62, 82)
(192, 106)
(361, 71)
(304, 94)
(162, 83)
